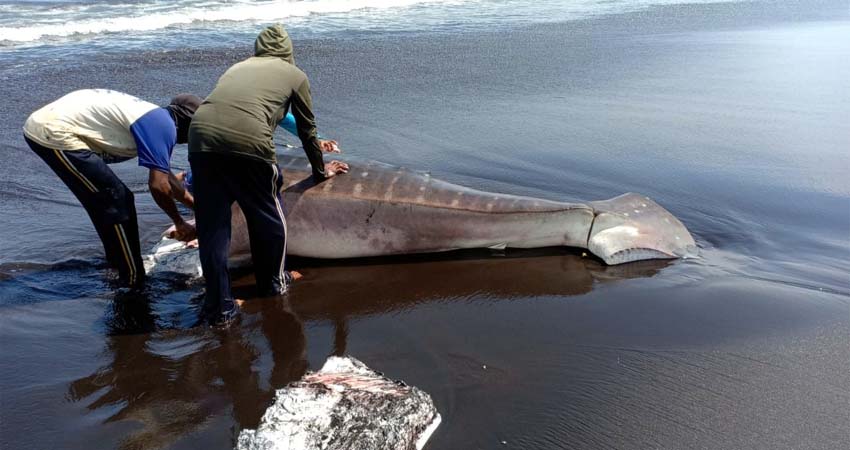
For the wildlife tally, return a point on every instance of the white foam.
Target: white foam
(22, 23)
(170, 255)
(173, 256)
(147, 17)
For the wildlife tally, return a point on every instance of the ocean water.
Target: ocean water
(732, 115)
(33, 21)
(32, 30)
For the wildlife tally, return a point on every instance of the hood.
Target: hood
(274, 41)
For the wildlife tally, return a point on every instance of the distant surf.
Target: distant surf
(52, 22)
(45, 20)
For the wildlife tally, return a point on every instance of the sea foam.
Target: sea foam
(72, 20)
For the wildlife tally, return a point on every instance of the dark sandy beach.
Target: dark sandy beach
(733, 116)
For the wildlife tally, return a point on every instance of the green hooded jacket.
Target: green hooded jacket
(240, 115)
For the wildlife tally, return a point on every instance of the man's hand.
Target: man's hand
(335, 167)
(329, 146)
(183, 231)
(164, 188)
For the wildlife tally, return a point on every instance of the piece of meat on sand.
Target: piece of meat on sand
(346, 405)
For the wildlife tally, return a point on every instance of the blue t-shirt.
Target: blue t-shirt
(155, 135)
(288, 124)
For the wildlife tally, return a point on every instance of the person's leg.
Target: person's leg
(258, 194)
(108, 202)
(212, 216)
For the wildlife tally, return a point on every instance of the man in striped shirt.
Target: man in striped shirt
(81, 133)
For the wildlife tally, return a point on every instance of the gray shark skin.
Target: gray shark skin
(378, 210)
(344, 406)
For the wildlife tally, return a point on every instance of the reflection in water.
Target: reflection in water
(340, 336)
(171, 383)
(384, 285)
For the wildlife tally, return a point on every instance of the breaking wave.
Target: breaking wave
(41, 21)
(24, 22)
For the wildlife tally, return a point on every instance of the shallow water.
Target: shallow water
(732, 116)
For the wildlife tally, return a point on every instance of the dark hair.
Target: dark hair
(182, 108)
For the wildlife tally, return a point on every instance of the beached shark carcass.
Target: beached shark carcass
(377, 210)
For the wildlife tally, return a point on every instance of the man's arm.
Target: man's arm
(327, 145)
(179, 191)
(155, 134)
(164, 189)
(305, 121)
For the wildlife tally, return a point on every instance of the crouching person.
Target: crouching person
(81, 133)
(232, 155)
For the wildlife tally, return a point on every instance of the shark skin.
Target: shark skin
(379, 210)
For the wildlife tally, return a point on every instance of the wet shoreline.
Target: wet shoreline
(730, 116)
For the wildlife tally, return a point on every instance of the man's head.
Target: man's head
(274, 41)
(182, 108)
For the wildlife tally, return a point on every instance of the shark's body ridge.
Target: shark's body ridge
(377, 210)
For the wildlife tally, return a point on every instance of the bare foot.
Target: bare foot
(239, 302)
(295, 275)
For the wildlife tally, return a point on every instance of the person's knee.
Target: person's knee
(115, 204)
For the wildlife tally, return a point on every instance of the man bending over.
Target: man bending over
(81, 133)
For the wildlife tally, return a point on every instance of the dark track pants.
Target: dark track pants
(218, 180)
(108, 202)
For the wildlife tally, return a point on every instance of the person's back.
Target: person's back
(245, 107)
(89, 119)
(251, 98)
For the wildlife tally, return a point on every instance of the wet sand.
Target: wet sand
(730, 116)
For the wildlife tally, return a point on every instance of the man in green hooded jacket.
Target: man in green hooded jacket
(232, 155)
